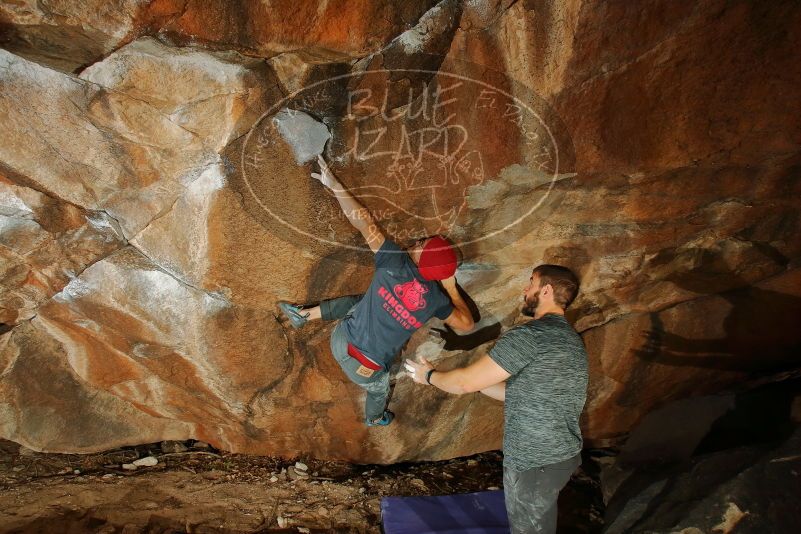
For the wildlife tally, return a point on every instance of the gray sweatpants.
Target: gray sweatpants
(531, 495)
(377, 385)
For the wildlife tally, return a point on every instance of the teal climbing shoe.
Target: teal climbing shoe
(384, 421)
(293, 313)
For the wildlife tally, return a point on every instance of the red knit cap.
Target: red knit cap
(438, 259)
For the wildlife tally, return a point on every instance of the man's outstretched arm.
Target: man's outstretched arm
(497, 391)
(356, 213)
(479, 375)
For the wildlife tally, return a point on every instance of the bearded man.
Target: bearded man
(539, 370)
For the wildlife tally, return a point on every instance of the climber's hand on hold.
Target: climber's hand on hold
(357, 214)
(325, 176)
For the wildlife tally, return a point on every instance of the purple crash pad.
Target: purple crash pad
(469, 513)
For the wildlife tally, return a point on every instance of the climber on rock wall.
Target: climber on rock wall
(539, 370)
(403, 295)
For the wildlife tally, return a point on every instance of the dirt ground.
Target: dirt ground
(197, 489)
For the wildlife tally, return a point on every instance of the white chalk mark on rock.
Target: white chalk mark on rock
(303, 133)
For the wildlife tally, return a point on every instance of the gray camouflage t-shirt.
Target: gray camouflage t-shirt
(545, 394)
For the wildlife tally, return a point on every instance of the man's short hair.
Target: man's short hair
(565, 284)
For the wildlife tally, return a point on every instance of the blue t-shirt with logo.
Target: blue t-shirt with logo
(398, 302)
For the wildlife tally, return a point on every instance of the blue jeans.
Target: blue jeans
(338, 308)
(377, 385)
(531, 495)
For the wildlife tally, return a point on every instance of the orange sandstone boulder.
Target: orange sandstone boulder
(152, 214)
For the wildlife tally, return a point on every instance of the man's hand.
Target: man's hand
(418, 371)
(325, 176)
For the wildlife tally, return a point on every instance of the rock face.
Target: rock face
(151, 213)
(723, 463)
(68, 35)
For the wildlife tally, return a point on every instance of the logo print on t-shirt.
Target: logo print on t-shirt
(411, 293)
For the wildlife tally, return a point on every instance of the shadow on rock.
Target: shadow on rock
(760, 329)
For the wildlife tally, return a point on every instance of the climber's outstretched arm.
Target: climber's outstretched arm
(356, 213)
